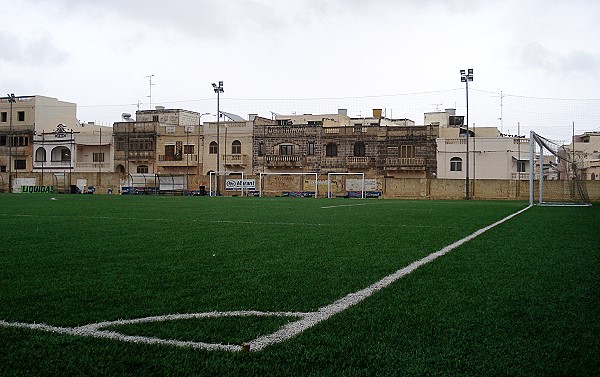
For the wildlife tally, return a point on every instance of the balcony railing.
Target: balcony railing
(170, 157)
(235, 159)
(358, 161)
(283, 160)
(134, 155)
(93, 165)
(519, 176)
(176, 160)
(404, 161)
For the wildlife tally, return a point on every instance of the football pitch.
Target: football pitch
(159, 285)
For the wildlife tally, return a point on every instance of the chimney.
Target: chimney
(251, 117)
(343, 112)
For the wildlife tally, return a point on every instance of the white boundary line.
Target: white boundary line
(345, 205)
(290, 330)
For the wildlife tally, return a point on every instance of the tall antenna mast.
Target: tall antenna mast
(501, 119)
(150, 86)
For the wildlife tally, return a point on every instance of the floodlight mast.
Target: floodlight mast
(466, 76)
(218, 89)
(11, 100)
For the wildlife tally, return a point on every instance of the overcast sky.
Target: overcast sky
(97, 54)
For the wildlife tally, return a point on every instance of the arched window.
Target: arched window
(236, 147)
(331, 150)
(261, 149)
(359, 149)
(456, 164)
(40, 155)
(212, 147)
(61, 154)
(142, 169)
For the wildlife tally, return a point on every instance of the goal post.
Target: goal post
(263, 176)
(362, 182)
(558, 175)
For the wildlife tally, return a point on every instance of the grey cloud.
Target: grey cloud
(563, 63)
(199, 19)
(35, 52)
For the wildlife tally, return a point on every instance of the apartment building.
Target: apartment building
(47, 138)
(165, 142)
(326, 143)
(491, 154)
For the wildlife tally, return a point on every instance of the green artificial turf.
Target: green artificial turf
(520, 299)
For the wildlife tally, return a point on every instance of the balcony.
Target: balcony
(178, 160)
(133, 156)
(519, 176)
(283, 161)
(93, 166)
(235, 159)
(404, 163)
(358, 162)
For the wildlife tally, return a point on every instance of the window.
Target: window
(286, 150)
(331, 150)
(407, 151)
(212, 147)
(139, 144)
(359, 149)
(20, 141)
(21, 116)
(2, 168)
(40, 155)
(142, 169)
(154, 119)
(3, 140)
(236, 147)
(20, 164)
(456, 164)
(521, 166)
(311, 148)
(261, 149)
(4, 117)
(98, 157)
(188, 149)
(169, 150)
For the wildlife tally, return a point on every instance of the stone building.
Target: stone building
(163, 141)
(324, 143)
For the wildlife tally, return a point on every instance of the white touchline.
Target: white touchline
(306, 321)
(345, 205)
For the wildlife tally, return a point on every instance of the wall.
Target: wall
(391, 188)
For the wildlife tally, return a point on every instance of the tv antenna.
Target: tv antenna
(437, 106)
(501, 119)
(149, 77)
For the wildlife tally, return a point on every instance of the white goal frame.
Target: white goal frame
(532, 145)
(329, 175)
(260, 180)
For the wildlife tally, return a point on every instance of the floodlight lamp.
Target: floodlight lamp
(471, 71)
(214, 85)
(462, 72)
(221, 83)
(463, 79)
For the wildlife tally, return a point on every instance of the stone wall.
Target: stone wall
(390, 188)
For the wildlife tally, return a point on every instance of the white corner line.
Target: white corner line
(306, 321)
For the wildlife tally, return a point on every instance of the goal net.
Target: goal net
(556, 178)
(304, 185)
